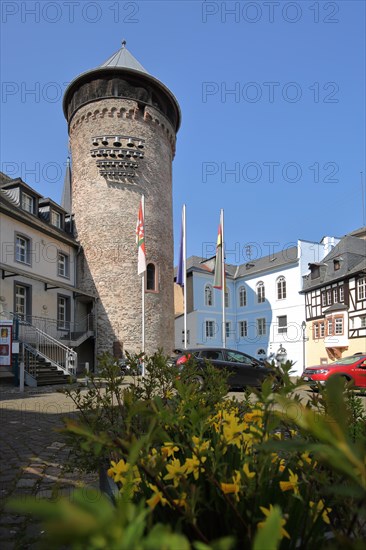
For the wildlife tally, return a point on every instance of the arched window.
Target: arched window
(260, 293)
(227, 298)
(281, 288)
(242, 296)
(208, 295)
(151, 278)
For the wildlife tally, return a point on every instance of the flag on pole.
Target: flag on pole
(218, 280)
(180, 271)
(140, 240)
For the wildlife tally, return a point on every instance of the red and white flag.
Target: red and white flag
(140, 240)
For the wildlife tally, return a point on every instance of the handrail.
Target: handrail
(52, 350)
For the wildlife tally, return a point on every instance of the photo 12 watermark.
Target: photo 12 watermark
(273, 172)
(70, 12)
(270, 12)
(269, 92)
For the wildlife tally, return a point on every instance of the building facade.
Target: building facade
(335, 298)
(38, 266)
(264, 309)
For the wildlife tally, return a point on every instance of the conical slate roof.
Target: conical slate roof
(122, 63)
(123, 59)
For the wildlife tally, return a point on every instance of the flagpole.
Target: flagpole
(223, 279)
(184, 275)
(143, 298)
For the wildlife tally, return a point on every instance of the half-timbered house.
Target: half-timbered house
(335, 301)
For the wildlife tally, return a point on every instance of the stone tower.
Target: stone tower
(122, 126)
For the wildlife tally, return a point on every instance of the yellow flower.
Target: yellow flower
(156, 497)
(291, 484)
(232, 488)
(119, 470)
(256, 416)
(200, 446)
(176, 471)
(169, 449)
(266, 512)
(247, 472)
(232, 429)
(181, 502)
(194, 465)
(281, 462)
(321, 509)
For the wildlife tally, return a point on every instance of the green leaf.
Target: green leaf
(269, 535)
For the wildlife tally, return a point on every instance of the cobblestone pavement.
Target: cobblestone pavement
(32, 458)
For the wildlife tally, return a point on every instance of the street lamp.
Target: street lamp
(304, 340)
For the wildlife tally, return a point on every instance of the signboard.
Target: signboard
(6, 328)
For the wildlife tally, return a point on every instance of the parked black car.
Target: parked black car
(244, 370)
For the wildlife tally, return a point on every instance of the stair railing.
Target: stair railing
(42, 344)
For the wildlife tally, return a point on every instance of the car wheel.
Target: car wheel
(198, 381)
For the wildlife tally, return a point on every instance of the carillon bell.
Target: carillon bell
(99, 153)
(117, 142)
(140, 145)
(93, 154)
(105, 141)
(130, 143)
(121, 154)
(128, 154)
(105, 153)
(95, 142)
(113, 154)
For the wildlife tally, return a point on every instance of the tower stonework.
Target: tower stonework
(122, 128)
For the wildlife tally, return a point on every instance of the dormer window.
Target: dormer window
(27, 202)
(56, 219)
(336, 264)
(315, 271)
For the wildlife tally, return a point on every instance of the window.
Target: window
(228, 329)
(363, 321)
(361, 288)
(227, 299)
(63, 265)
(22, 300)
(335, 295)
(336, 265)
(243, 329)
(341, 293)
(28, 203)
(281, 288)
(318, 330)
(242, 297)
(329, 297)
(22, 249)
(151, 284)
(315, 271)
(212, 355)
(56, 219)
(282, 324)
(208, 295)
(210, 329)
(324, 299)
(63, 312)
(338, 325)
(330, 327)
(260, 293)
(261, 326)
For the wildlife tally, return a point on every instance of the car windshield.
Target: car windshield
(348, 360)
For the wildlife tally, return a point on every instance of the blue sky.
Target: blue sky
(272, 98)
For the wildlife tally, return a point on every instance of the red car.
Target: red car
(352, 368)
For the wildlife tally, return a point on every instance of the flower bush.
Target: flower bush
(268, 471)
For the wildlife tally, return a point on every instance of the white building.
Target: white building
(264, 308)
